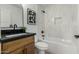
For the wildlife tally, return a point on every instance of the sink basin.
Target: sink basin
(15, 35)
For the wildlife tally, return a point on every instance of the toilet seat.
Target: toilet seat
(42, 45)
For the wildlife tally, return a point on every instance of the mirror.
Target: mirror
(11, 14)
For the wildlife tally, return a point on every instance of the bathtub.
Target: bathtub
(60, 46)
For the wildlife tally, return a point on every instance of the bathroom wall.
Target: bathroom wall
(61, 22)
(39, 20)
(31, 28)
(11, 14)
(76, 27)
(0, 25)
(57, 21)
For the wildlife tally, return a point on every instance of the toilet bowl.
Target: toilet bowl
(41, 46)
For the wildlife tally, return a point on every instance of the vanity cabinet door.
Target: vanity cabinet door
(18, 51)
(29, 49)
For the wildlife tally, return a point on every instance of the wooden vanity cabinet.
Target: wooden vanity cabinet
(0, 48)
(20, 46)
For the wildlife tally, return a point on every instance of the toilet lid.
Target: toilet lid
(42, 44)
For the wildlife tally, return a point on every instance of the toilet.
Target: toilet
(41, 46)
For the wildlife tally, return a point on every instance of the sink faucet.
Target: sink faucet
(15, 26)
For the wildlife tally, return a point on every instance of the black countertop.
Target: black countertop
(8, 39)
